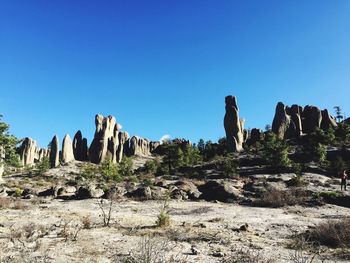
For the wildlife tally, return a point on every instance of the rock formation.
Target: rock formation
(105, 142)
(67, 149)
(282, 124)
(54, 152)
(28, 151)
(122, 138)
(328, 121)
(255, 136)
(296, 120)
(43, 153)
(233, 125)
(311, 119)
(80, 149)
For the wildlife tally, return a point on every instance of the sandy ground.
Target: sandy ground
(45, 230)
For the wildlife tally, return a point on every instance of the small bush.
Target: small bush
(277, 198)
(151, 166)
(164, 217)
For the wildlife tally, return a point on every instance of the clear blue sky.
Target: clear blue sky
(164, 67)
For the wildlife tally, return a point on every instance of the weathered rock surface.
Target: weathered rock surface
(294, 121)
(54, 152)
(28, 151)
(67, 149)
(255, 136)
(90, 191)
(219, 190)
(104, 139)
(80, 149)
(233, 125)
(312, 119)
(282, 125)
(122, 137)
(328, 121)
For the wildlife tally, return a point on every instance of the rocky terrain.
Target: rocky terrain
(254, 196)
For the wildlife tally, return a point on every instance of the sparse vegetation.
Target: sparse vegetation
(43, 166)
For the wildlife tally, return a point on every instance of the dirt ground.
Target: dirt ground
(50, 230)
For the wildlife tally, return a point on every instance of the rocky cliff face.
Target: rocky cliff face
(233, 125)
(54, 152)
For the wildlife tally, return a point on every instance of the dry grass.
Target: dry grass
(8, 203)
(333, 233)
(277, 198)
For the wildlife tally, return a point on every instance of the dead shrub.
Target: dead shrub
(86, 221)
(278, 198)
(333, 233)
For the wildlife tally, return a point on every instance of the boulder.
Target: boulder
(28, 151)
(142, 193)
(90, 191)
(80, 149)
(54, 152)
(67, 149)
(223, 191)
(328, 121)
(233, 126)
(311, 119)
(189, 188)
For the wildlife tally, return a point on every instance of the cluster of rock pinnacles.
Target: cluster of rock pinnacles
(108, 143)
(288, 122)
(111, 143)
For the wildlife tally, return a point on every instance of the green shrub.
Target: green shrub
(163, 218)
(43, 166)
(18, 192)
(89, 170)
(151, 166)
(125, 167)
(275, 151)
(109, 171)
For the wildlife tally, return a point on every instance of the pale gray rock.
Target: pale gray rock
(106, 141)
(67, 149)
(122, 138)
(28, 151)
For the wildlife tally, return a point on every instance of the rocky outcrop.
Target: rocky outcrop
(282, 124)
(295, 113)
(224, 191)
(328, 121)
(43, 153)
(80, 148)
(311, 118)
(54, 152)
(122, 138)
(255, 136)
(28, 151)
(233, 125)
(290, 122)
(67, 149)
(105, 139)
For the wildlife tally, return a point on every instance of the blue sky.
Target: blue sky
(164, 67)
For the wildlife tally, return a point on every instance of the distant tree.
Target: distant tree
(8, 142)
(267, 127)
(173, 157)
(201, 145)
(338, 113)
